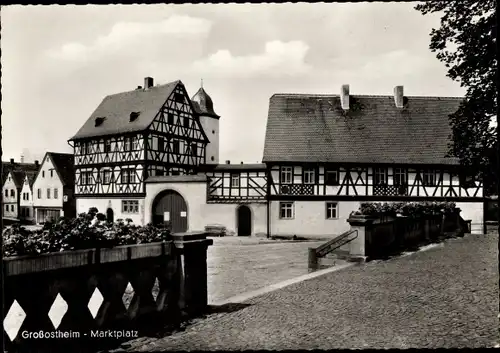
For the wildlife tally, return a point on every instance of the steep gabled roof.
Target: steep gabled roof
(19, 170)
(64, 164)
(314, 128)
(116, 110)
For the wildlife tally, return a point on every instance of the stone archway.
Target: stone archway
(244, 220)
(170, 206)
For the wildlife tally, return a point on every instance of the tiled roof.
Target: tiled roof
(215, 167)
(19, 170)
(64, 164)
(177, 178)
(116, 109)
(314, 128)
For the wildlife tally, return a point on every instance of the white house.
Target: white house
(53, 188)
(26, 211)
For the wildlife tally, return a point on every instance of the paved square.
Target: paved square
(443, 297)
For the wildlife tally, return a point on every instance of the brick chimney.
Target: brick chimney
(228, 162)
(148, 82)
(344, 97)
(37, 163)
(12, 161)
(398, 96)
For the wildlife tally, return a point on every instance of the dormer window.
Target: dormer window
(179, 97)
(99, 121)
(134, 116)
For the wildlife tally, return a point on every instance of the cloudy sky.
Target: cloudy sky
(59, 62)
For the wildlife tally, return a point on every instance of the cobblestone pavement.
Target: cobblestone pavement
(443, 297)
(238, 267)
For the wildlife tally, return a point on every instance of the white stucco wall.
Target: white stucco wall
(102, 204)
(45, 181)
(201, 214)
(9, 202)
(310, 219)
(474, 212)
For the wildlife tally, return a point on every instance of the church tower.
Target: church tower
(210, 122)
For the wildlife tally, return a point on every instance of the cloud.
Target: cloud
(123, 34)
(278, 59)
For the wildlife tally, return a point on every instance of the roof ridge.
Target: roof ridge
(312, 95)
(135, 90)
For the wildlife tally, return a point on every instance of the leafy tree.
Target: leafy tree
(466, 44)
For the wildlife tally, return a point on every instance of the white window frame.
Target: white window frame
(130, 206)
(127, 144)
(104, 173)
(309, 176)
(286, 210)
(125, 179)
(286, 175)
(235, 180)
(135, 143)
(397, 175)
(331, 206)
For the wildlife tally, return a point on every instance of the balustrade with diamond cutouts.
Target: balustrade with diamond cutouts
(80, 293)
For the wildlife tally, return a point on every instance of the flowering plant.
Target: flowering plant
(408, 209)
(88, 230)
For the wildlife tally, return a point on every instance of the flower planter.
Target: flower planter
(87, 292)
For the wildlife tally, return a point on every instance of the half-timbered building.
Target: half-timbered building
(147, 132)
(328, 153)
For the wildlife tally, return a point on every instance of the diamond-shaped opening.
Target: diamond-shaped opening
(95, 302)
(128, 295)
(58, 310)
(14, 320)
(156, 289)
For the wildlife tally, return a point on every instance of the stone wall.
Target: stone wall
(82, 292)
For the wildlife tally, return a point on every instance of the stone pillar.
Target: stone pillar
(358, 247)
(191, 251)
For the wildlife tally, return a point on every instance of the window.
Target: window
(127, 146)
(308, 176)
(161, 144)
(235, 180)
(107, 146)
(170, 118)
(130, 206)
(332, 210)
(159, 172)
(106, 176)
(6, 208)
(176, 146)
(286, 175)
(380, 176)
(176, 172)
(52, 173)
(179, 97)
(11, 208)
(429, 177)
(43, 173)
(286, 210)
(135, 143)
(332, 177)
(399, 176)
(39, 191)
(48, 193)
(186, 121)
(86, 178)
(128, 176)
(84, 148)
(12, 193)
(6, 193)
(56, 193)
(194, 149)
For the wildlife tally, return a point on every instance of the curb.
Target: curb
(273, 287)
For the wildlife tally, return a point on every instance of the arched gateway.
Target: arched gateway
(170, 206)
(244, 220)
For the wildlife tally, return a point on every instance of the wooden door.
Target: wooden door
(244, 221)
(171, 207)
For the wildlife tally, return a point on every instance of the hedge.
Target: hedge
(87, 231)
